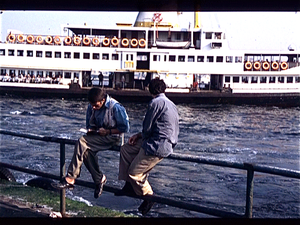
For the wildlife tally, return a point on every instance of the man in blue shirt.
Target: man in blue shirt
(106, 121)
(147, 148)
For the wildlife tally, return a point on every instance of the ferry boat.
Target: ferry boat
(195, 63)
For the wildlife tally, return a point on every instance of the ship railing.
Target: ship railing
(250, 168)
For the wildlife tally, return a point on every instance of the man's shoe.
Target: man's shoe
(145, 207)
(99, 188)
(126, 190)
(63, 185)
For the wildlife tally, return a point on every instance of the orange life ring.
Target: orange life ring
(106, 42)
(11, 38)
(134, 42)
(284, 66)
(21, 38)
(30, 39)
(275, 65)
(266, 65)
(68, 40)
(96, 41)
(57, 40)
(248, 65)
(142, 42)
(125, 42)
(76, 40)
(115, 41)
(48, 40)
(86, 41)
(39, 39)
(257, 65)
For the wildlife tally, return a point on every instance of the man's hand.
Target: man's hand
(133, 139)
(102, 132)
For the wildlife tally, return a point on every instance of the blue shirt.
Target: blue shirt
(160, 127)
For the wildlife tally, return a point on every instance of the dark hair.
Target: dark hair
(96, 95)
(157, 86)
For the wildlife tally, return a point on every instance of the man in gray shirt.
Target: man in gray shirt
(147, 148)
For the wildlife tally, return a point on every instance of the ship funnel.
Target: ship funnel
(163, 19)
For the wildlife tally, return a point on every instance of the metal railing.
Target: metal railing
(250, 168)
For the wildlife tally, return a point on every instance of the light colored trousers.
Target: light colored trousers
(85, 152)
(135, 166)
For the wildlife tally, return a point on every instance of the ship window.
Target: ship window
(3, 71)
(21, 72)
(96, 56)
(208, 35)
(68, 75)
(76, 55)
(57, 55)
(178, 36)
(272, 80)
(297, 79)
(67, 55)
(48, 54)
(263, 80)
(236, 79)
(172, 58)
(48, 73)
(12, 72)
(31, 72)
(245, 80)
(227, 79)
(105, 56)
(229, 59)
(181, 58)
(191, 58)
(29, 53)
(2, 51)
(115, 57)
(86, 55)
(289, 79)
(238, 59)
(200, 58)
(39, 73)
(11, 52)
(254, 80)
(20, 52)
(218, 35)
(165, 58)
(39, 54)
(280, 79)
(155, 58)
(210, 59)
(219, 58)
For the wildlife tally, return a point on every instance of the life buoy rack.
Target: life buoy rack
(48, 40)
(106, 42)
(39, 39)
(284, 66)
(68, 40)
(134, 42)
(86, 41)
(125, 42)
(57, 40)
(96, 41)
(266, 65)
(21, 38)
(76, 40)
(115, 41)
(30, 39)
(275, 65)
(248, 65)
(11, 38)
(256, 65)
(142, 42)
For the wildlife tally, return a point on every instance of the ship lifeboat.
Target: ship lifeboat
(266, 65)
(125, 42)
(77, 40)
(115, 41)
(248, 65)
(134, 42)
(30, 39)
(11, 38)
(257, 65)
(106, 42)
(96, 41)
(275, 65)
(142, 43)
(39, 39)
(57, 40)
(48, 40)
(21, 38)
(284, 66)
(68, 40)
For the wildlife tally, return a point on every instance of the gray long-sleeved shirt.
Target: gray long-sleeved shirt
(160, 127)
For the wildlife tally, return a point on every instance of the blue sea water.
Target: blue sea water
(260, 135)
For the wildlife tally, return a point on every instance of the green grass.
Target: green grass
(52, 200)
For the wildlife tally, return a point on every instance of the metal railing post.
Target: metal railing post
(62, 174)
(249, 194)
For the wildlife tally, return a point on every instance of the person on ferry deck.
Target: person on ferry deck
(106, 121)
(145, 149)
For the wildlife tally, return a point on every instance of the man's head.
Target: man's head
(157, 86)
(96, 97)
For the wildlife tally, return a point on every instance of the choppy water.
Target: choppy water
(261, 135)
